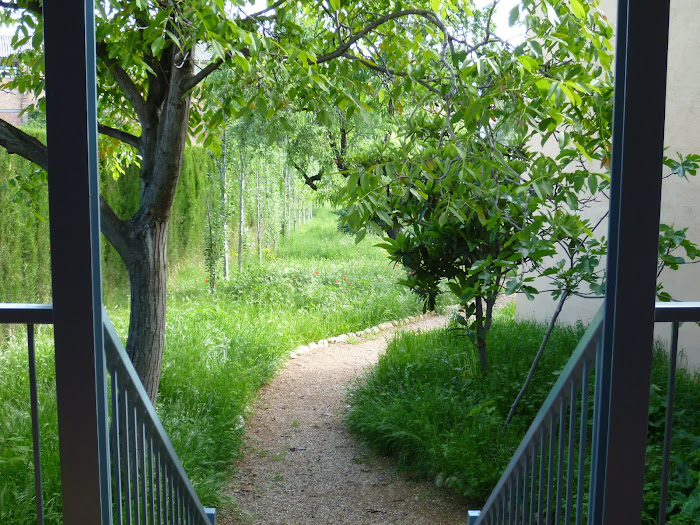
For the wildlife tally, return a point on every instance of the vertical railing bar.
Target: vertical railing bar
(595, 488)
(159, 488)
(171, 489)
(540, 496)
(570, 460)
(533, 478)
(502, 509)
(133, 437)
(128, 474)
(518, 490)
(585, 380)
(513, 499)
(164, 488)
(36, 441)
(526, 473)
(152, 475)
(560, 465)
(668, 435)
(143, 468)
(550, 474)
(116, 449)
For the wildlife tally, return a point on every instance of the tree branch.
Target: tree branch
(309, 181)
(340, 51)
(389, 71)
(128, 87)
(536, 360)
(123, 136)
(192, 81)
(17, 142)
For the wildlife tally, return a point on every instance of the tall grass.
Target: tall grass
(427, 405)
(220, 348)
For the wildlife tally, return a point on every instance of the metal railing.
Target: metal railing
(149, 485)
(31, 315)
(547, 479)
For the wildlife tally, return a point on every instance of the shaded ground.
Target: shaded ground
(300, 466)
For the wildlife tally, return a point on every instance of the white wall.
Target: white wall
(680, 198)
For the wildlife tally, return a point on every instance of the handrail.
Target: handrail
(150, 483)
(26, 313)
(30, 315)
(529, 477)
(532, 468)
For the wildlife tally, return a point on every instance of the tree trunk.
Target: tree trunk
(481, 336)
(257, 214)
(146, 268)
(241, 216)
(224, 203)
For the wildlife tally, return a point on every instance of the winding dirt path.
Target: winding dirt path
(300, 465)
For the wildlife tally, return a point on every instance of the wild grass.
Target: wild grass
(427, 405)
(220, 348)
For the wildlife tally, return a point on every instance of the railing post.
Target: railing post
(75, 259)
(623, 377)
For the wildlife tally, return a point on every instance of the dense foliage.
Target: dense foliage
(25, 274)
(427, 405)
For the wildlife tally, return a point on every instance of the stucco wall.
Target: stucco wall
(680, 198)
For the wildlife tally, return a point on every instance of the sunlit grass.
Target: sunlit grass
(220, 348)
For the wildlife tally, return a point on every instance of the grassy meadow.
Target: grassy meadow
(220, 348)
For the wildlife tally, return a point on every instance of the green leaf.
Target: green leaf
(385, 217)
(513, 16)
(593, 184)
(157, 45)
(360, 235)
(241, 61)
(578, 9)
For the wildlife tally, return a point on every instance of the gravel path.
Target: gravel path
(300, 465)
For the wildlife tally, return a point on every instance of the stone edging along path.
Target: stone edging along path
(367, 332)
(301, 466)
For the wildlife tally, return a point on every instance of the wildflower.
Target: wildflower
(345, 278)
(315, 272)
(206, 280)
(337, 281)
(350, 284)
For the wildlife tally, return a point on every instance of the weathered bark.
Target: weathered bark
(146, 267)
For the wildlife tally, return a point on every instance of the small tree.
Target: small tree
(468, 183)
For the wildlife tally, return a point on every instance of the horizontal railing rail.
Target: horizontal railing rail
(546, 480)
(31, 315)
(149, 484)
